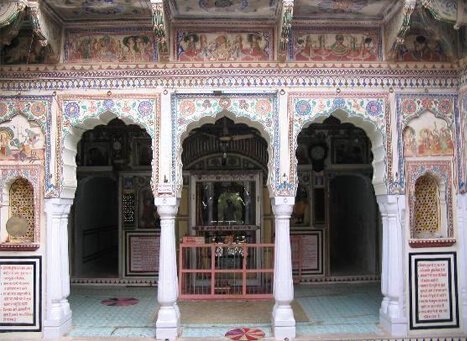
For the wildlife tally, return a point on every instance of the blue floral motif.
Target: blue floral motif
(72, 110)
(108, 104)
(338, 103)
(145, 108)
(303, 107)
(374, 108)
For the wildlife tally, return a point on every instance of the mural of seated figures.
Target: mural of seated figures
(428, 136)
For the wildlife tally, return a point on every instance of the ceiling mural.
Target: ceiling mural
(100, 9)
(428, 40)
(349, 9)
(265, 9)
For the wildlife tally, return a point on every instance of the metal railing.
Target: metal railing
(234, 271)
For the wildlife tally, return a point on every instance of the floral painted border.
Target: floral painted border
(306, 107)
(256, 107)
(143, 110)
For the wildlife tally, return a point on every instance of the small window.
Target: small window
(427, 208)
(20, 225)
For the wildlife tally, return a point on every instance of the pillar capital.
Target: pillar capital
(282, 206)
(58, 206)
(390, 204)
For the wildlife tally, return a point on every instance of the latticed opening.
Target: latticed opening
(22, 205)
(427, 207)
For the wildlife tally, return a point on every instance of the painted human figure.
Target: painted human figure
(254, 51)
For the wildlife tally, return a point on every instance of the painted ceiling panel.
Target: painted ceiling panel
(211, 9)
(100, 9)
(348, 9)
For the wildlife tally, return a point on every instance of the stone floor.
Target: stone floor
(332, 309)
(336, 311)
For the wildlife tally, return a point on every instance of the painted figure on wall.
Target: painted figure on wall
(223, 47)
(25, 49)
(420, 48)
(21, 140)
(109, 47)
(428, 136)
(410, 143)
(338, 46)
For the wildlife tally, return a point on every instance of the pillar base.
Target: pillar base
(395, 326)
(283, 322)
(168, 323)
(56, 328)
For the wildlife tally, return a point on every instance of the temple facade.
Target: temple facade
(177, 143)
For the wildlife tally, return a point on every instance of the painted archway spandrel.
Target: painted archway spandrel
(261, 108)
(306, 107)
(426, 127)
(143, 110)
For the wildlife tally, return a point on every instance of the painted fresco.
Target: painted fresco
(419, 47)
(27, 49)
(339, 45)
(21, 140)
(217, 8)
(130, 47)
(225, 46)
(356, 9)
(100, 9)
(428, 136)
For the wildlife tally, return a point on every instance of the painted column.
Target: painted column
(283, 321)
(392, 311)
(462, 266)
(58, 313)
(168, 317)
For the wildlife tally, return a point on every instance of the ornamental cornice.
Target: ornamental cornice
(231, 75)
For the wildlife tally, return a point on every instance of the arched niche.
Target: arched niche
(368, 113)
(429, 188)
(81, 113)
(259, 111)
(31, 175)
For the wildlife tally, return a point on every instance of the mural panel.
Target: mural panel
(216, 8)
(425, 125)
(356, 9)
(321, 44)
(21, 141)
(421, 47)
(99, 9)
(428, 136)
(129, 46)
(224, 46)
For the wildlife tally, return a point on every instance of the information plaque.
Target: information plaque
(307, 253)
(433, 291)
(20, 288)
(142, 254)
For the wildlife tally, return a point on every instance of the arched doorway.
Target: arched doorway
(335, 227)
(225, 201)
(336, 203)
(114, 233)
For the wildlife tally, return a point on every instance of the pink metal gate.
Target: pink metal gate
(234, 271)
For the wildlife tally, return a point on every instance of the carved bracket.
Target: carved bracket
(161, 29)
(47, 31)
(397, 27)
(11, 19)
(285, 27)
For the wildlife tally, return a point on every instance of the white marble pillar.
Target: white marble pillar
(283, 321)
(168, 317)
(58, 313)
(462, 264)
(392, 312)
